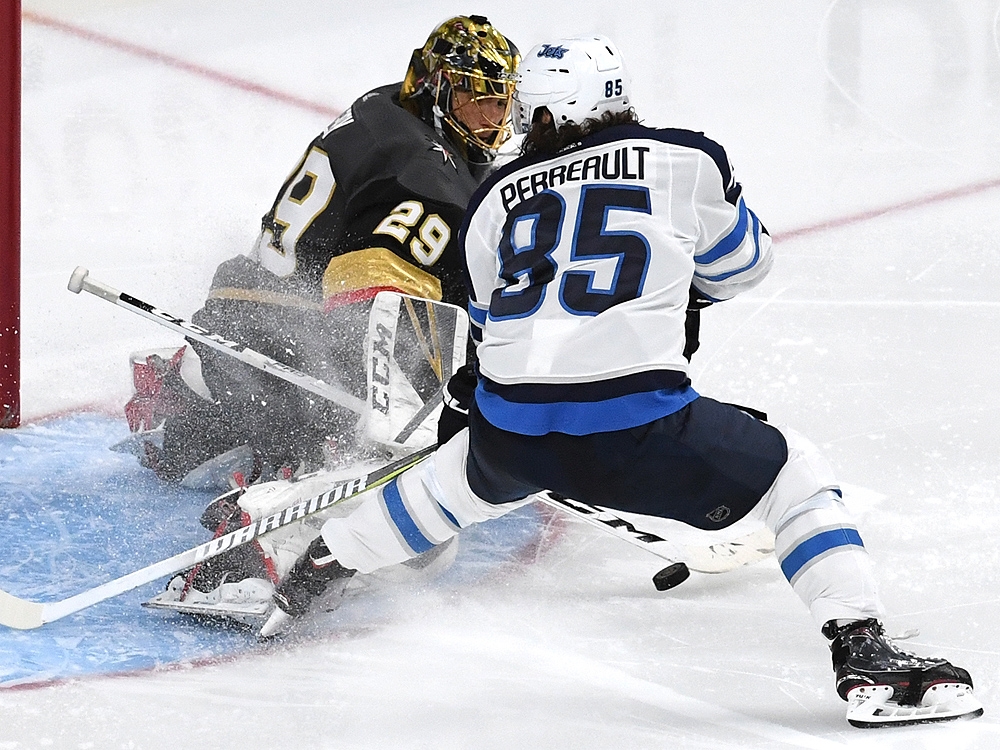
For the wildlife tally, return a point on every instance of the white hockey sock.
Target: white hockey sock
(824, 559)
(817, 542)
(423, 507)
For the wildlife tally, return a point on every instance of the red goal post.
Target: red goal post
(10, 213)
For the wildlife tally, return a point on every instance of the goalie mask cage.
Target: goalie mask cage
(10, 213)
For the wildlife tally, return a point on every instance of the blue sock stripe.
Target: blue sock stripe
(815, 546)
(403, 520)
(449, 516)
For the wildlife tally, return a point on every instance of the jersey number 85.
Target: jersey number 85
(532, 232)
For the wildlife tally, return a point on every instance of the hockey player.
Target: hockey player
(579, 255)
(374, 204)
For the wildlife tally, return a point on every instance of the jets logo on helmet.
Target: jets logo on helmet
(548, 50)
(574, 79)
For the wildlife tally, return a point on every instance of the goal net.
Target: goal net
(10, 213)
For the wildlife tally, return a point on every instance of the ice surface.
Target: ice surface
(877, 338)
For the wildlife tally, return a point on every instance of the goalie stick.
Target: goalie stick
(27, 615)
(80, 281)
(413, 347)
(421, 414)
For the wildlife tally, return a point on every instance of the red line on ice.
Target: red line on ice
(295, 101)
(893, 208)
(175, 62)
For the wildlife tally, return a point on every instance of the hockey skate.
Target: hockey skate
(308, 580)
(247, 602)
(236, 586)
(885, 686)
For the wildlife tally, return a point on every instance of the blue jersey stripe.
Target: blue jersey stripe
(403, 520)
(748, 266)
(582, 417)
(477, 314)
(815, 546)
(728, 243)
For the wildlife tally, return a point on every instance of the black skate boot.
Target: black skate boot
(884, 685)
(307, 580)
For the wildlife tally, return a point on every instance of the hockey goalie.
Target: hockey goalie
(374, 206)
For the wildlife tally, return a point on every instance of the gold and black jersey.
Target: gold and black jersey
(375, 203)
(380, 181)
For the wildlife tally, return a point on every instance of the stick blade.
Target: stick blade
(20, 613)
(726, 556)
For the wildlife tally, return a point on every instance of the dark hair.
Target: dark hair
(543, 138)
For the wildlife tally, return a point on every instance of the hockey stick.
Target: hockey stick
(714, 558)
(23, 614)
(720, 558)
(433, 354)
(421, 414)
(80, 281)
(26, 615)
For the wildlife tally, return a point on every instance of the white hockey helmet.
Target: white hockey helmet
(575, 79)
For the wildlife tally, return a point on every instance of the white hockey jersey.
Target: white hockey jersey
(580, 265)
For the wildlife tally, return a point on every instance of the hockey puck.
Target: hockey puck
(670, 576)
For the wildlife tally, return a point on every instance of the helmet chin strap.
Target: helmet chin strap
(438, 119)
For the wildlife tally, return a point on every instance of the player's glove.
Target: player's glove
(458, 397)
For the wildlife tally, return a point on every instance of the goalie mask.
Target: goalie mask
(466, 70)
(575, 79)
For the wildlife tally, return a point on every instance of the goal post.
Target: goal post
(10, 213)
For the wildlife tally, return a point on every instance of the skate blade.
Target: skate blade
(276, 624)
(135, 443)
(244, 609)
(251, 617)
(869, 707)
(216, 472)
